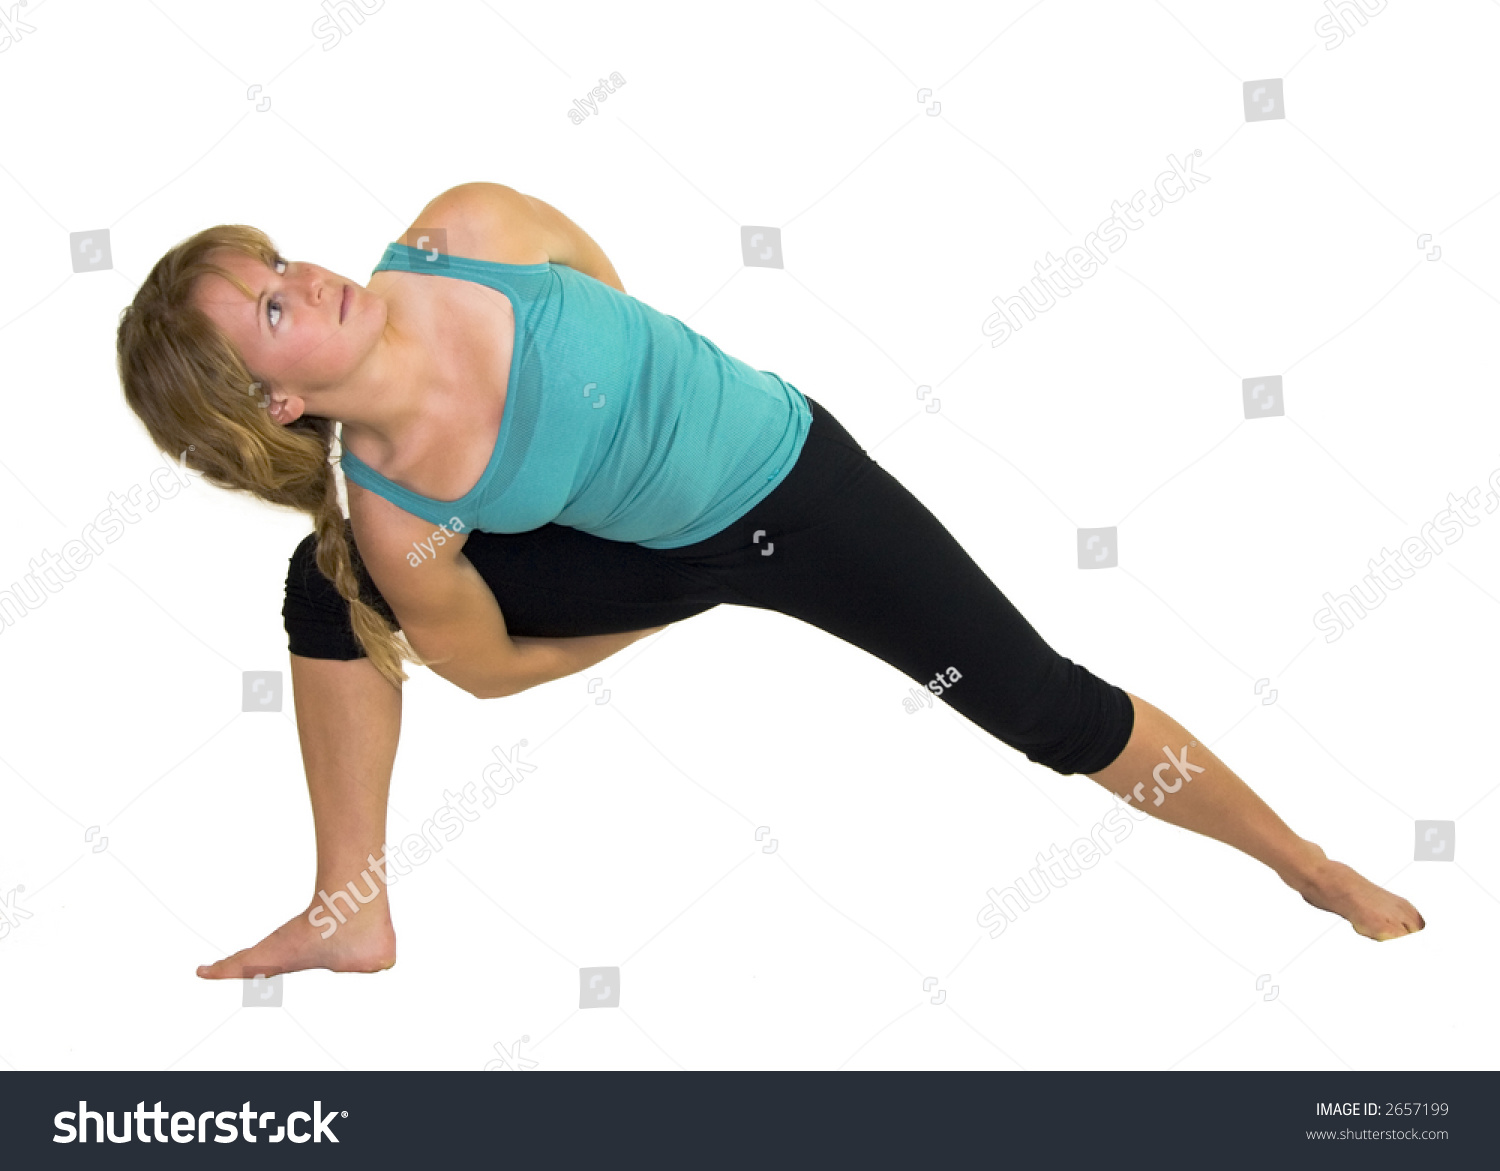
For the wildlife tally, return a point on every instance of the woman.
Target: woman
(505, 536)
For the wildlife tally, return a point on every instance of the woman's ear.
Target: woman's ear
(283, 408)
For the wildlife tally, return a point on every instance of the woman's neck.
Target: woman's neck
(390, 401)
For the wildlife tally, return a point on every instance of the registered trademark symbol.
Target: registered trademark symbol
(345, 1114)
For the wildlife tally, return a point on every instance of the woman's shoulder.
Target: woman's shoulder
(483, 221)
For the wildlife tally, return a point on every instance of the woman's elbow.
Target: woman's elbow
(465, 678)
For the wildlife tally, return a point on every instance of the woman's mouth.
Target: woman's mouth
(344, 304)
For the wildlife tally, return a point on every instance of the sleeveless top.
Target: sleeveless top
(619, 420)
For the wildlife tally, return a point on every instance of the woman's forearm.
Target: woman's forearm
(542, 660)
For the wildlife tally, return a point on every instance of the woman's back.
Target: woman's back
(618, 420)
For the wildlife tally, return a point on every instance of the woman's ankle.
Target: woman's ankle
(1303, 866)
(357, 912)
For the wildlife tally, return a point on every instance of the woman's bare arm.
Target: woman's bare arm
(555, 658)
(449, 613)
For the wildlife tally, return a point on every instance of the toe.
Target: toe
(224, 969)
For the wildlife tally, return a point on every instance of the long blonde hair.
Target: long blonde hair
(199, 402)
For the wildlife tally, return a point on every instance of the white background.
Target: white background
(633, 842)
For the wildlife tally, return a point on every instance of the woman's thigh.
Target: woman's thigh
(552, 582)
(842, 545)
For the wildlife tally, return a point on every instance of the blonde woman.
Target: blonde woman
(542, 469)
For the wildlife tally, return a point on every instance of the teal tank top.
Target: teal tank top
(619, 420)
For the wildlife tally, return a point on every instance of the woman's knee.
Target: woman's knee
(314, 614)
(1082, 724)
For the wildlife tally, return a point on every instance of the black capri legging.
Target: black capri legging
(839, 544)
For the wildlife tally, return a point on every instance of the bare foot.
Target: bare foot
(366, 942)
(1371, 910)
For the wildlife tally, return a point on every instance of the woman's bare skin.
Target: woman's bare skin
(1217, 804)
(413, 369)
(349, 722)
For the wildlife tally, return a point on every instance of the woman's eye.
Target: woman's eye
(274, 305)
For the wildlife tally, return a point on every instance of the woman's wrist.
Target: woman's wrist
(546, 659)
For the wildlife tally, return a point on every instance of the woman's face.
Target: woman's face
(305, 333)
